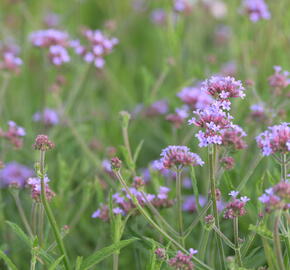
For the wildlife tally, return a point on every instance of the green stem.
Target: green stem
(237, 245)
(179, 205)
(49, 213)
(115, 261)
(277, 243)
(212, 161)
(21, 212)
(284, 167)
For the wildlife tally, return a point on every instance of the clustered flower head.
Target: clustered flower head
(277, 197)
(233, 137)
(34, 183)
(57, 43)
(123, 202)
(256, 9)
(178, 157)
(275, 140)
(258, 113)
(178, 118)
(43, 143)
(183, 6)
(181, 261)
(159, 107)
(195, 98)
(14, 174)
(279, 80)
(98, 46)
(236, 207)
(9, 60)
(228, 162)
(14, 134)
(213, 119)
(48, 117)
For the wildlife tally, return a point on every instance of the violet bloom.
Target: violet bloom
(159, 107)
(14, 134)
(179, 157)
(58, 55)
(275, 140)
(34, 183)
(233, 137)
(236, 207)
(182, 6)
(256, 9)
(189, 204)
(280, 79)
(48, 117)
(195, 98)
(178, 118)
(158, 16)
(97, 47)
(276, 197)
(10, 62)
(14, 174)
(51, 19)
(49, 37)
(181, 261)
(258, 112)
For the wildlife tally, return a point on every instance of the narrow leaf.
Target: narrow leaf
(56, 263)
(7, 260)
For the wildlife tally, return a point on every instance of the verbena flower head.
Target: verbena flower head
(189, 204)
(14, 134)
(43, 143)
(9, 59)
(256, 9)
(277, 197)
(34, 183)
(223, 88)
(280, 79)
(183, 6)
(48, 117)
(159, 107)
(213, 120)
(258, 112)
(233, 137)
(178, 118)
(275, 140)
(195, 98)
(181, 261)
(49, 37)
(178, 157)
(236, 207)
(14, 174)
(97, 47)
(58, 55)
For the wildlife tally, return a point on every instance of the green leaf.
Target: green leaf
(56, 263)
(79, 263)
(8, 262)
(261, 230)
(137, 152)
(103, 253)
(21, 234)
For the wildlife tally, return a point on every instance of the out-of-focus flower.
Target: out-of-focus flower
(275, 140)
(233, 137)
(34, 183)
(195, 98)
(58, 55)
(14, 174)
(178, 118)
(229, 69)
(183, 6)
(14, 134)
(258, 113)
(10, 62)
(256, 9)
(218, 9)
(222, 34)
(179, 156)
(51, 19)
(48, 117)
(159, 107)
(98, 46)
(189, 204)
(277, 197)
(158, 16)
(161, 253)
(236, 207)
(279, 80)
(228, 162)
(181, 261)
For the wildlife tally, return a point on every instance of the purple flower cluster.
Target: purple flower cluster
(182, 6)
(14, 174)
(236, 207)
(98, 46)
(193, 97)
(178, 118)
(277, 197)
(178, 157)
(9, 60)
(56, 41)
(279, 80)
(159, 107)
(256, 9)
(34, 183)
(275, 140)
(158, 16)
(14, 134)
(258, 112)
(123, 202)
(233, 137)
(48, 117)
(181, 261)
(190, 206)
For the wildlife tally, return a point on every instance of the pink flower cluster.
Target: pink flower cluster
(280, 79)
(233, 137)
(34, 183)
(178, 118)
(182, 6)
(277, 197)
(178, 157)
(236, 207)
(256, 9)
(181, 261)
(9, 60)
(98, 46)
(193, 97)
(48, 117)
(275, 140)
(56, 41)
(14, 134)
(258, 112)
(123, 202)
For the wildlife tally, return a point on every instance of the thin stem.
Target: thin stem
(49, 213)
(22, 213)
(284, 167)
(115, 261)
(212, 161)
(277, 243)
(223, 237)
(237, 245)
(179, 205)
(3, 89)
